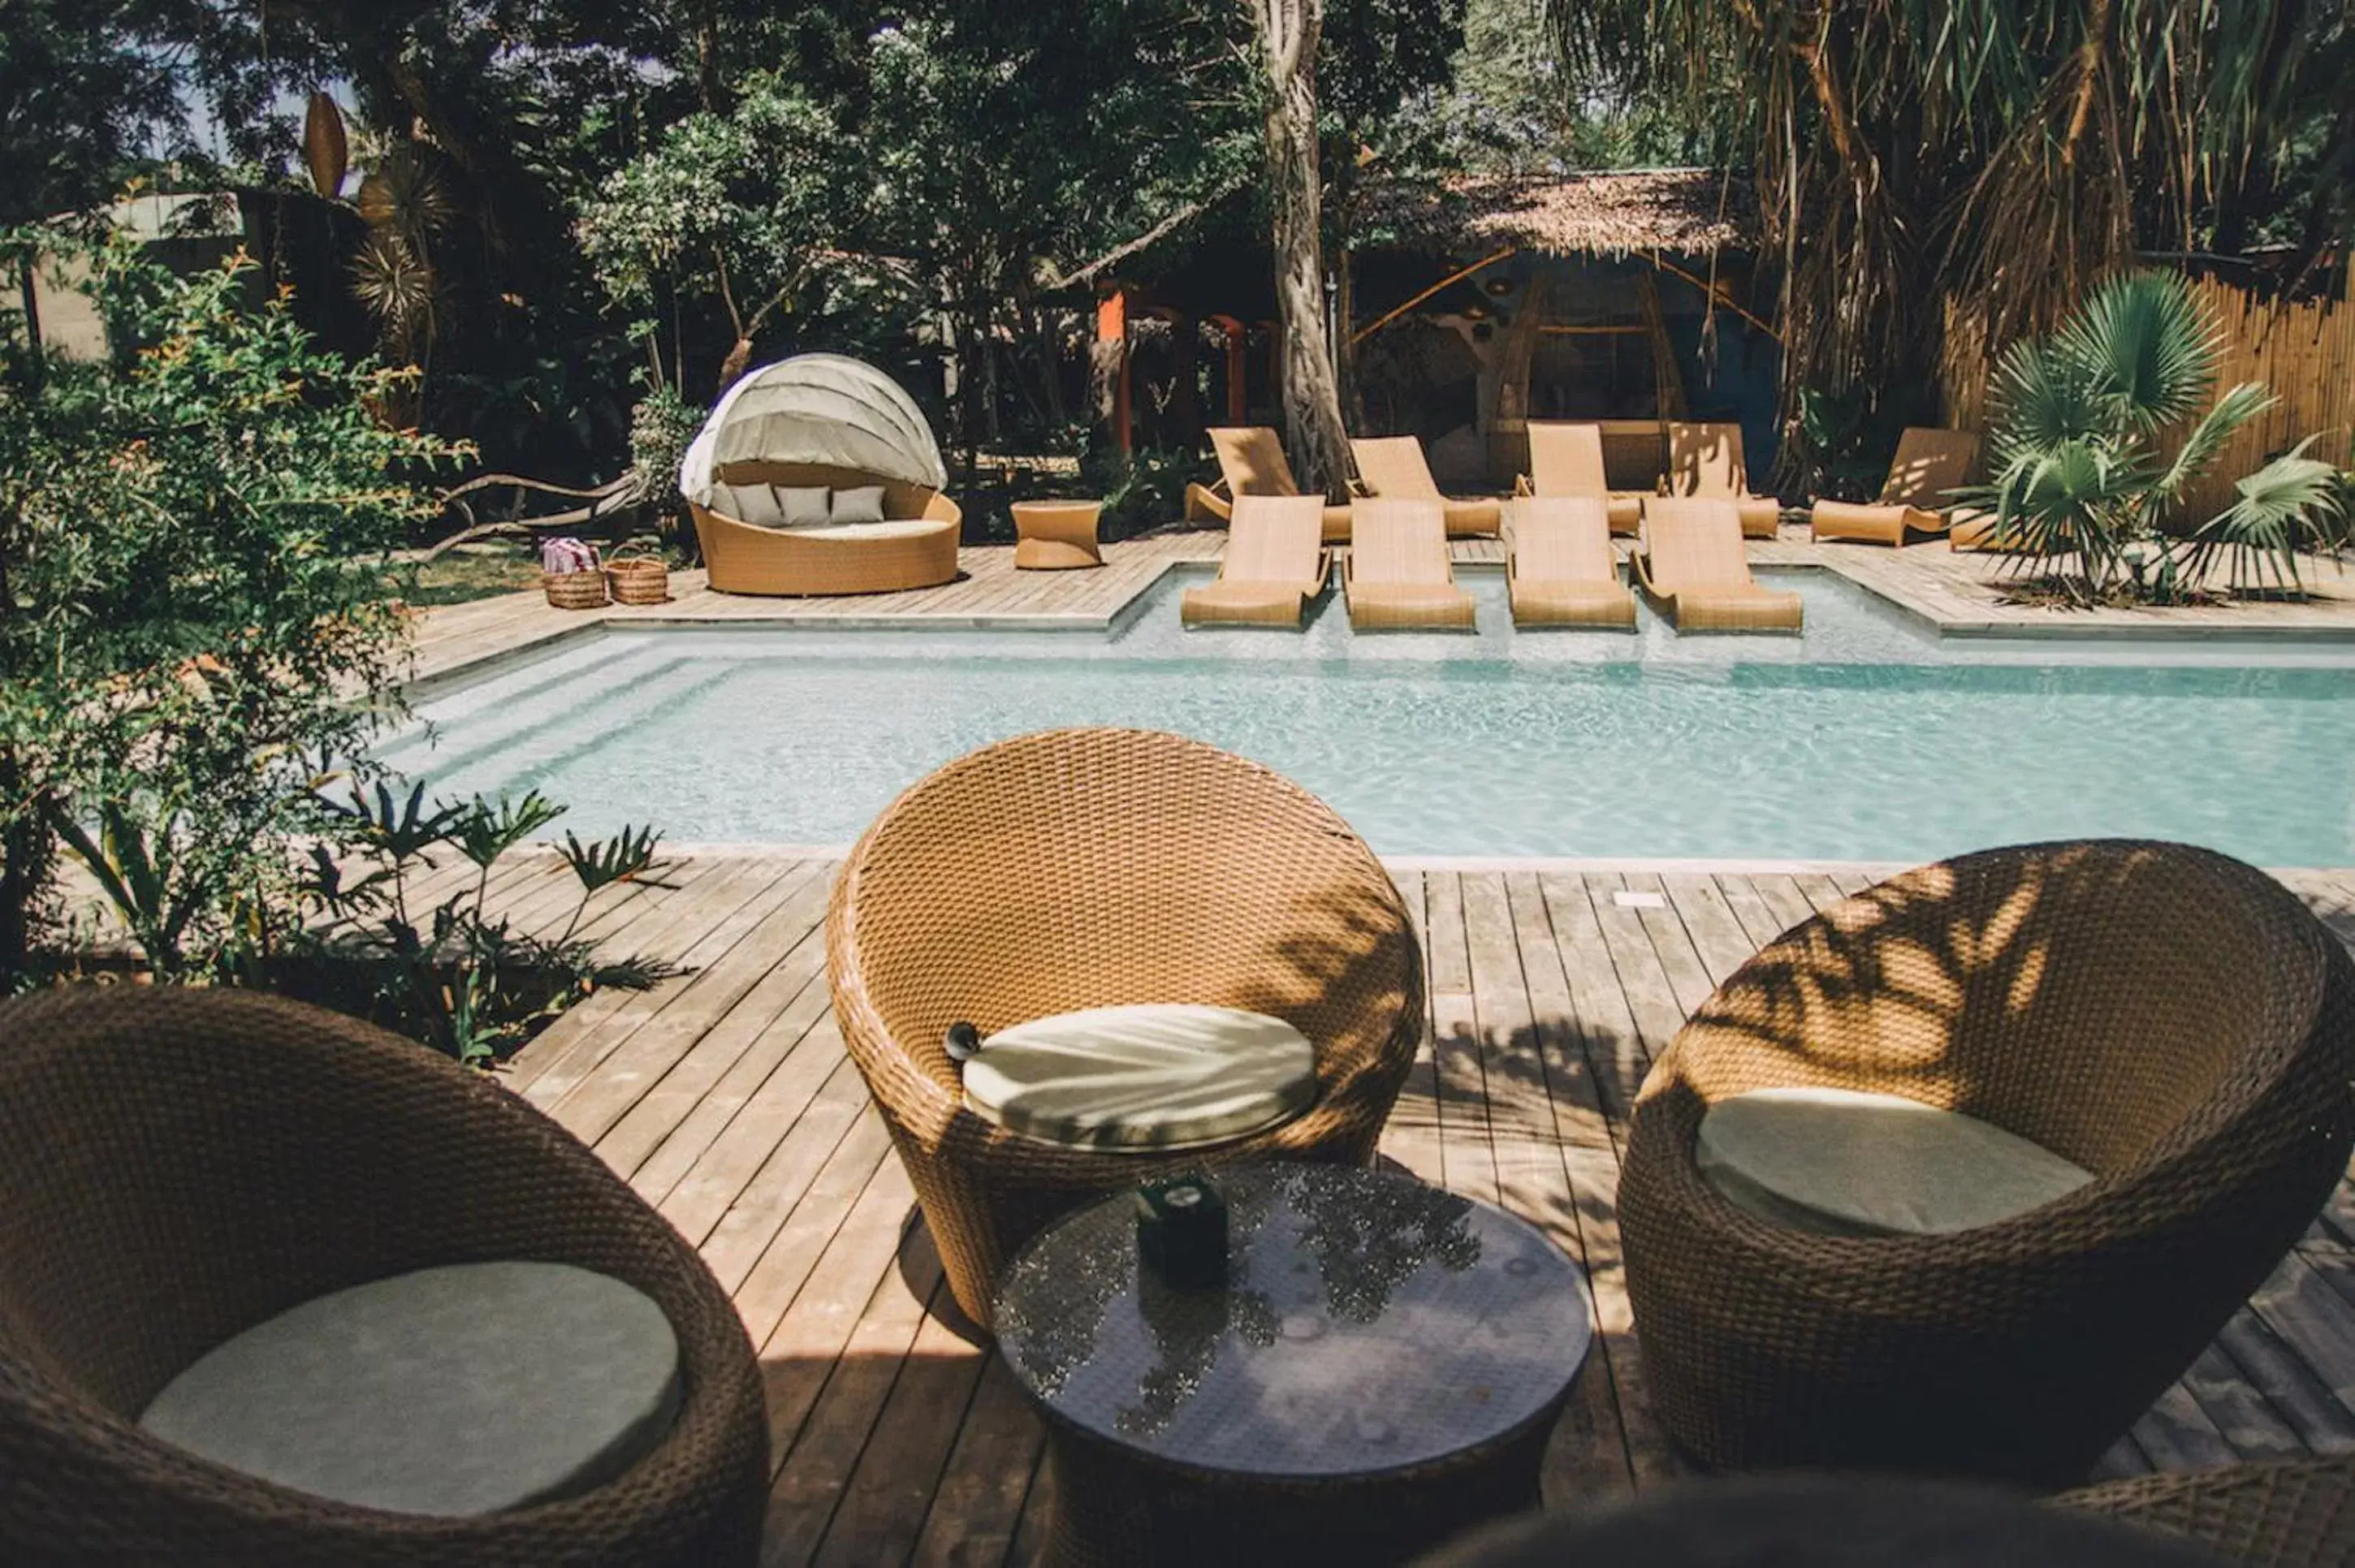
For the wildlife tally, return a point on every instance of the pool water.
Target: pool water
(1868, 739)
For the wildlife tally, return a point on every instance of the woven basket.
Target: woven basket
(638, 579)
(574, 590)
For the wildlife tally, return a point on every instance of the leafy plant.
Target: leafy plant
(471, 985)
(2085, 481)
(661, 427)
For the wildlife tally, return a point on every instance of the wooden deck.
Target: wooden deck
(1958, 593)
(726, 1098)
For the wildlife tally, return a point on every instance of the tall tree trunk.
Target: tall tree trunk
(1287, 32)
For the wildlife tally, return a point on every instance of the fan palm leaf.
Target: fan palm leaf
(2206, 440)
(2293, 500)
(2149, 352)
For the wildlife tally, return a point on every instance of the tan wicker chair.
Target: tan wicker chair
(1559, 569)
(859, 558)
(1695, 569)
(1398, 575)
(177, 1166)
(1913, 499)
(1252, 463)
(1706, 460)
(1394, 467)
(2171, 1020)
(1566, 459)
(2289, 1513)
(1274, 565)
(1087, 868)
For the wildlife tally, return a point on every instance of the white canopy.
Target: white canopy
(821, 408)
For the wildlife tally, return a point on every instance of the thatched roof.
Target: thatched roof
(1607, 213)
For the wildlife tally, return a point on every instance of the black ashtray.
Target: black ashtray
(1181, 1232)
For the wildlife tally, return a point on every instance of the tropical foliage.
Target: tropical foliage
(2103, 425)
(2003, 156)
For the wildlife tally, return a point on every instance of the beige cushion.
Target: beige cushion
(754, 504)
(454, 1391)
(1159, 1076)
(861, 503)
(1843, 1162)
(904, 528)
(805, 504)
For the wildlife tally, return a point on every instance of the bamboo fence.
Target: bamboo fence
(2304, 351)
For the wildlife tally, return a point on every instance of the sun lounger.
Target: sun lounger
(1560, 570)
(1251, 463)
(1274, 564)
(1693, 566)
(1705, 460)
(1392, 466)
(1398, 575)
(1973, 527)
(1566, 459)
(1929, 462)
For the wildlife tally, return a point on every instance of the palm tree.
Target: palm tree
(2084, 486)
(1983, 162)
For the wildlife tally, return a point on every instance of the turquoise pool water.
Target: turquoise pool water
(1868, 739)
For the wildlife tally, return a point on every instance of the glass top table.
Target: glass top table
(1371, 1324)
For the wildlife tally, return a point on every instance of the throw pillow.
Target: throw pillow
(804, 504)
(753, 504)
(863, 504)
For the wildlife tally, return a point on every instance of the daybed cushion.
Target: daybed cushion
(805, 504)
(454, 1391)
(1843, 1162)
(754, 504)
(1148, 1078)
(897, 528)
(861, 503)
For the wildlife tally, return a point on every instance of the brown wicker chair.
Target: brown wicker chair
(1086, 868)
(2292, 1513)
(177, 1166)
(2171, 1020)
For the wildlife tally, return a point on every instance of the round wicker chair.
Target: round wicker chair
(2171, 1020)
(2292, 1513)
(177, 1166)
(1088, 867)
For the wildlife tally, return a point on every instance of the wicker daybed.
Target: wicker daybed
(1086, 868)
(177, 1167)
(821, 422)
(2175, 1023)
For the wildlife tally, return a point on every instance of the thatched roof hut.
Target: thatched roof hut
(1615, 212)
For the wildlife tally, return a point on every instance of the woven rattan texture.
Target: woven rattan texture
(2172, 1020)
(2298, 1513)
(177, 1166)
(1085, 868)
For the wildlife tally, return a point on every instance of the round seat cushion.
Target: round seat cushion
(454, 1391)
(1150, 1078)
(1843, 1162)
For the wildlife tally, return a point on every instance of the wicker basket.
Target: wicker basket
(638, 578)
(574, 590)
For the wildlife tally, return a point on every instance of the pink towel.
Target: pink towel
(560, 556)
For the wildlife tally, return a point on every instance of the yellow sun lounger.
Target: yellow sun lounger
(1397, 576)
(1694, 567)
(1706, 460)
(1929, 462)
(1274, 565)
(1559, 568)
(1252, 463)
(1393, 468)
(1566, 459)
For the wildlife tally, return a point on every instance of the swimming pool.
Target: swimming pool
(1868, 739)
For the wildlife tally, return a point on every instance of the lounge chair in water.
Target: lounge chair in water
(1251, 463)
(1394, 466)
(1929, 462)
(1274, 564)
(1559, 568)
(1693, 566)
(1566, 459)
(1706, 460)
(1397, 576)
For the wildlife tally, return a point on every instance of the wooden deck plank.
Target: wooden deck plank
(990, 1475)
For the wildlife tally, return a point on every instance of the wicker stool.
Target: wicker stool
(1054, 535)
(178, 1165)
(2174, 1022)
(2290, 1513)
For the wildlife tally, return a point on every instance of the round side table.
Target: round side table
(1054, 535)
(1380, 1372)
